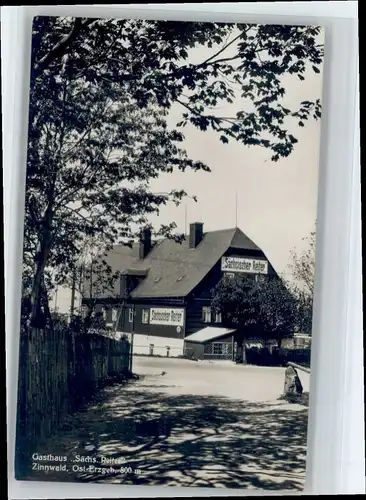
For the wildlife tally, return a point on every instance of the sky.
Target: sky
(273, 203)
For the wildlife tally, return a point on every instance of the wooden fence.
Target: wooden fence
(58, 371)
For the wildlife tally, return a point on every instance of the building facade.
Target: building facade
(162, 301)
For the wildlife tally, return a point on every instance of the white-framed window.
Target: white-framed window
(217, 348)
(108, 316)
(217, 317)
(130, 315)
(206, 314)
(84, 311)
(299, 342)
(226, 348)
(230, 275)
(145, 316)
(114, 315)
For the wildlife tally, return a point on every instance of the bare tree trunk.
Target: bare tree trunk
(41, 261)
(37, 284)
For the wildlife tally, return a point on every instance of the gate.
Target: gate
(218, 350)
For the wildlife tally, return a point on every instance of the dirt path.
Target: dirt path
(195, 430)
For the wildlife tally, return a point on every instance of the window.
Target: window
(114, 315)
(217, 348)
(217, 317)
(145, 316)
(84, 311)
(206, 314)
(229, 275)
(130, 315)
(106, 313)
(226, 349)
(299, 342)
(180, 278)
(107, 316)
(151, 349)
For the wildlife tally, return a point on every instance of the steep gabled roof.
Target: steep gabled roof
(241, 240)
(174, 269)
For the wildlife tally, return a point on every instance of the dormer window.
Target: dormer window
(180, 278)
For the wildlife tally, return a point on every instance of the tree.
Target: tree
(264, 309)
(235, 299)
(278, 309)
(303, 266)
(92, 279)
(90, 179)
(100, 94)
(305, 311)
(303, 271)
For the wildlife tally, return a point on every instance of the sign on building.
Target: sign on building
(244, 265)
(168, 317)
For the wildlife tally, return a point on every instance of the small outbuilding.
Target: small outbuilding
(211, 343)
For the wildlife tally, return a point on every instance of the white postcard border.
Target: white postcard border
(337, 340)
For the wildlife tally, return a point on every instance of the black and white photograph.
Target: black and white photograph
(169, 253)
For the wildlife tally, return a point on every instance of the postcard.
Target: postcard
(169, 253)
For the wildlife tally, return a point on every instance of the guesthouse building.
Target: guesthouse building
(162, 301)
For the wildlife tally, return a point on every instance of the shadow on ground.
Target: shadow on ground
(186, 441)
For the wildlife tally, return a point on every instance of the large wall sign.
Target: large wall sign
(244, 265)
(168, 317)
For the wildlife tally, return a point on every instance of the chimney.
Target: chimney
(145, 242)
(195, 234)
